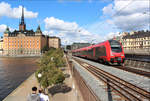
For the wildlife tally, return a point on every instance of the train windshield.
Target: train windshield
(115, 46)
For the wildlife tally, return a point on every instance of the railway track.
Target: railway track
(139, 59)
(126, 90)
(140, 65)
(134, 70)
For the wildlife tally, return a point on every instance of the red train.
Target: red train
(110, 51)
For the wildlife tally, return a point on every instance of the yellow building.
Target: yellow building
(136, 40)
(54, 42)
(23, 41)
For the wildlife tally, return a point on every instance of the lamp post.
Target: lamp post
(92, 42)
(39, 76)
(52, 58)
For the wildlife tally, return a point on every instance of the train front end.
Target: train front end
(116, 52)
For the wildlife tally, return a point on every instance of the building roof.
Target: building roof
(7, 30)
(26, 33)
(139, 34)
(53, 37)
(38, 30)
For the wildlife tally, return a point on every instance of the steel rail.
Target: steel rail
(116, 85)
(113, 85)
(139, 59)
(133, 70)
(125, 84)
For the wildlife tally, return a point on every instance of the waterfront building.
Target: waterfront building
(136, 40)
(23, 41)
(1, 46)
(54, 42)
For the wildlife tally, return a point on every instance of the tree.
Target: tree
(49, 67)
(45, 48)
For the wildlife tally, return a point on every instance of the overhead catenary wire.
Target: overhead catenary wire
(119, 11)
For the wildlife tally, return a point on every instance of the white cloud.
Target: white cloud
(57, 24)
(108, 9)
(50, 33)
(112, 35)
(2, 28)
(69, 32)
(6, 10)
(128, 14)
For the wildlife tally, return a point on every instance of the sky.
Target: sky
(90, 21)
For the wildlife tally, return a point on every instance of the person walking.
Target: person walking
(33, 96)
(43, 97)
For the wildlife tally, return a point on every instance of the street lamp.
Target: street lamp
(52, 58)
(39, 76)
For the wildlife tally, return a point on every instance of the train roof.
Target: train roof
(88, 47)
(84, 48)
(92, 46)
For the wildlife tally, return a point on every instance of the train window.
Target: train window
(116, 49)
(90, 52)
(115, 46)
(100, 51)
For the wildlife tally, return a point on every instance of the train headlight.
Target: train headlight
(122, 54)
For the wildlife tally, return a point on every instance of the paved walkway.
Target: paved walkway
(21, 93)
(73, 95)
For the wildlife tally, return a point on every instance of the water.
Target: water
(13, 71)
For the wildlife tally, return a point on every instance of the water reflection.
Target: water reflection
(14, 71)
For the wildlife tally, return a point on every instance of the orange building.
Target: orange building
(23, 41)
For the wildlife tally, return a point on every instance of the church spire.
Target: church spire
(22, 17)
(22, 25)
